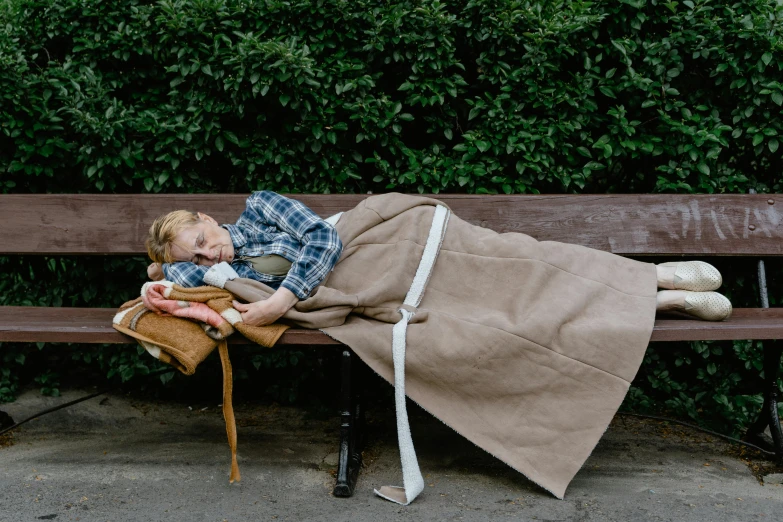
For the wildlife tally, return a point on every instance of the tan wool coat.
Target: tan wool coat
(526, 348)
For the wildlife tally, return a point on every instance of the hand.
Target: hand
(266, 312)
(155, 272)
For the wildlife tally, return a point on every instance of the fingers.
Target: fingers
(155, 272)
(241, 307)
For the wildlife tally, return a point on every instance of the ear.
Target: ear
(208, 219)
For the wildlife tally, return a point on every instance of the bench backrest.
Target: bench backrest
(649, 224)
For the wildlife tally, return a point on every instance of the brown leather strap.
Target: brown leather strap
(228, 409)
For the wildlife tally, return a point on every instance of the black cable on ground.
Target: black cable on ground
(696, 427)
(71, 403)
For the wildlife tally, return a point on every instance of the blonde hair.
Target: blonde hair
(163, 231)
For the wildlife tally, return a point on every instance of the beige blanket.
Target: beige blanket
(525, 348)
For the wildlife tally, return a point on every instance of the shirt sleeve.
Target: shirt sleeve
(190, 275)
(185, 273)
(321, 246)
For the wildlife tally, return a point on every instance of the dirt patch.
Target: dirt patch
(6, 440)
(759, 464)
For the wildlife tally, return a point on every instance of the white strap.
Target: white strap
(413, 482)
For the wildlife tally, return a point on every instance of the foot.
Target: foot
(695, 276)
(708, 306)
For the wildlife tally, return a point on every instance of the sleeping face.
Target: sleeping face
(205, 243)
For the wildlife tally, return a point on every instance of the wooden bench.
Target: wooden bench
(631, 225)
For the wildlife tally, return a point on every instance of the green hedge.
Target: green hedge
(336, 96)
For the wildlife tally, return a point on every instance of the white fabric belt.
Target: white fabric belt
(413, 482)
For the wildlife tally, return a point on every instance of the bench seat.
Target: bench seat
(93, 325)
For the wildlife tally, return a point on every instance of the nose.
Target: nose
(205, 254)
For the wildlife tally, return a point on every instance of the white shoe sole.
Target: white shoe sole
(709, 306)
(695, 276)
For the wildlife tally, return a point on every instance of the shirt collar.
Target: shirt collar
(237, 237)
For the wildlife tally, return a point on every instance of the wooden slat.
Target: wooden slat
(647, 224)
(744, 323)
(93, 325)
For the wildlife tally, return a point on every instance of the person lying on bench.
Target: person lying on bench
(285, 245)
(525, 347)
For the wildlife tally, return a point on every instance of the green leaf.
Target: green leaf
(230, 136)
(284, 99)
(603, 140)
(448, 134)
(483, 146)
(773, 145)
(206, 69)
(219, 144)
(758, 138)
(594, 165)
(766, 58)
(473, 113)
(149, 183)
(777, 97)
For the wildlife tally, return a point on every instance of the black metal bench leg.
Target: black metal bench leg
(769, 411)
(350, 459)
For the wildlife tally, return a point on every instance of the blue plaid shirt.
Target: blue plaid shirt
(274, 224)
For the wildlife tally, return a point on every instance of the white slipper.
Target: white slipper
(709, 306)
(695, 276)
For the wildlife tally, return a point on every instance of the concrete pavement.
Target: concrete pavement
(126, 458)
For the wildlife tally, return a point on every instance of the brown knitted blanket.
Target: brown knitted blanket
(200, 320)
